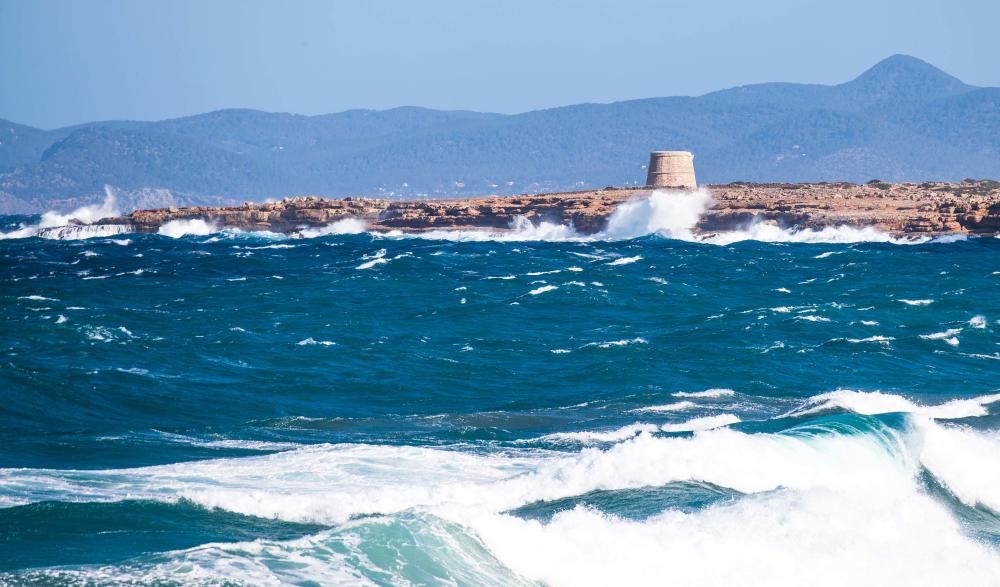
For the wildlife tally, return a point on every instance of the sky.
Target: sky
(64, 62)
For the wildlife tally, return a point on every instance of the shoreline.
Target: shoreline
(905, 209)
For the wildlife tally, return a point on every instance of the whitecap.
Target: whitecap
(883, 340)
(615, 343)
(674, 407)
(947, 336)
(876, 402)
(543, 289)
(590, 437)
(378, 258)
(78, 224)
(187, 227)
(343, 226)
(916, 302)
(311, 341)
(812, 318)
(713, 393)
(703, 423)
(625, 260)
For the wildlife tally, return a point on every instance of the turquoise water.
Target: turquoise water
(354, 408)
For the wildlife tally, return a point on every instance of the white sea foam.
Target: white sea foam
(74, 225)
(916, 302)
(817, 502)
(978, 322)
(947, 336)
(343, 226)
(590, 437)
(311, 341)
(624, 260)
(377, 258)
(713, 393)
(228, 443)
(878, 339)
(616, 343)
(542, 289)
(187, 227)
(521, 230)
(787, 538)
(669, 213)
(812, 318)
(964, 460)
(703, 423)
(876, 402)
(674, 407)
(329, 484)
(772, 233)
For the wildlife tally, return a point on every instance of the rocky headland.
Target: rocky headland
(970, 207)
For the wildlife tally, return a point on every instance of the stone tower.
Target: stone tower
(671, 169)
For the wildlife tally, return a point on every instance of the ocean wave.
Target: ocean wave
(862, 475)
(831, 538)
(75, 225)
(617, 343)
(876, 402)
(674, 407)
(947, 336)
(978, 322)
(591, 437)
(425, 549)
(521, 230)
(188, 227)
(713, 393)
(312, 342)
(348, 480)
(543, 289)
(703, 423)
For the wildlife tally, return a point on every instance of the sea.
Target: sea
(647, 405)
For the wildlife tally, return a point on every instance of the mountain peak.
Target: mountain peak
(902, 77)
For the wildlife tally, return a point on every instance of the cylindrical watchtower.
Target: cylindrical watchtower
(671, 169)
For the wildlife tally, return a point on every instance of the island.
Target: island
(971, 207)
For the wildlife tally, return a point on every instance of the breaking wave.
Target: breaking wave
(839, 487)
(345, 226)
(874, 402)
(192, 227)
(76, 224)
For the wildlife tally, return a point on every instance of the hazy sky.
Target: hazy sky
(64, 62)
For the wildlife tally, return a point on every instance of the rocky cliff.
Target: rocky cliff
(971, 207)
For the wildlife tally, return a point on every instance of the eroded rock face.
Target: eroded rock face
(930, 208)
(971, 207)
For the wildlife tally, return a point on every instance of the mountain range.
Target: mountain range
(901, 120)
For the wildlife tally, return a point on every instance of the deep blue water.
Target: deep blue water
(355, 408)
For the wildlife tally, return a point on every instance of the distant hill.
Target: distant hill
(902, 120)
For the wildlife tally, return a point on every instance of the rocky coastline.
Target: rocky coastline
(970, 207)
